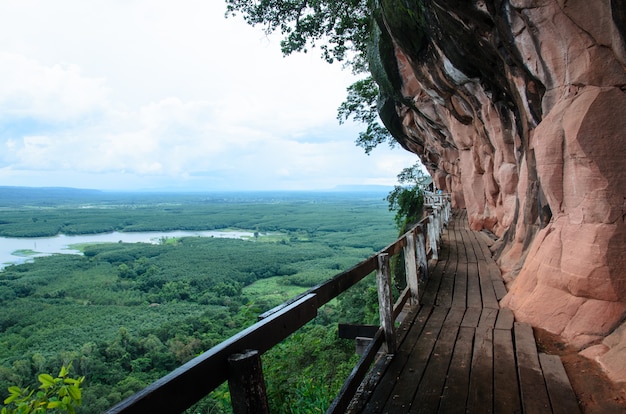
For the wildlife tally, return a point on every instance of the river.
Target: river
(15, 250)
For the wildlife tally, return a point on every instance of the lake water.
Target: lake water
(45, 246)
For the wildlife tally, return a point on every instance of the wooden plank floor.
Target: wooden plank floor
(459, 352)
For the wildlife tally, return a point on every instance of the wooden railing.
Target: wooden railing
(237, 360)
(436, 199)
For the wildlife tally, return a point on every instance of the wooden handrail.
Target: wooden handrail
(436, 199)
(186, 385)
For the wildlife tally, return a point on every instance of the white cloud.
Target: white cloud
(53, 93)
(129, 94)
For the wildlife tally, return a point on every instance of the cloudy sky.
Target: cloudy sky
(147, 94)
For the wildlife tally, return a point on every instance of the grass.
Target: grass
(24, 253)
(272, 289)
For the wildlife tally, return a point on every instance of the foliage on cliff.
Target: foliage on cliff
(361, 104)
(407, 199)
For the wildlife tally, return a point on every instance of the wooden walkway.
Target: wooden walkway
(459, 352)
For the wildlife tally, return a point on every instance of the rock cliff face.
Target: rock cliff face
(518, 108)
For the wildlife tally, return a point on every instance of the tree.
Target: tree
(343, 31)
(362, 105)
(340, 28)
(408, 200)
(125, 272)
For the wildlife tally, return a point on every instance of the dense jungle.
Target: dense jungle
(125, 314)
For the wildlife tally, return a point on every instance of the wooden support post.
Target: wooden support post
(432, 237)
(410, 267)
(446, 212)
(361, 344)
(422, 257)
(246, 383)
(438, 227)
(385, 302)
(439, 216)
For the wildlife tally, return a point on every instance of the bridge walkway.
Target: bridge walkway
(459, 352)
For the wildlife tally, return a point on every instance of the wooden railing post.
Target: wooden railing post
(446, 211)
(410, 267)
(432, 237)
(422, 257)
(385, 302)
(246, 383)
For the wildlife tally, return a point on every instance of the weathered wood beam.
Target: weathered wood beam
(351, 331)
(422, 256)
(410, 268)
(385, 302)
(246, 383)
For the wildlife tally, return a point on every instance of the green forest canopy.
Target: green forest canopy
(126, 314)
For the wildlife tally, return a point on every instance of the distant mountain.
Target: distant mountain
(11, 196)
(16, 197)
(47, 190)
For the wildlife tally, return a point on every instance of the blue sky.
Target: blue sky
(149, 94)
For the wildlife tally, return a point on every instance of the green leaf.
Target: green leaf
(46, 380)
(11, 398)
(67, 400)
(54, 404)
(74, 392)
(15, 390)
(71, 381)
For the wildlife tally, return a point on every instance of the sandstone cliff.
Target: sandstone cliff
(518, 108)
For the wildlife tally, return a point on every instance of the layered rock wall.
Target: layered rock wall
(518, 108)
